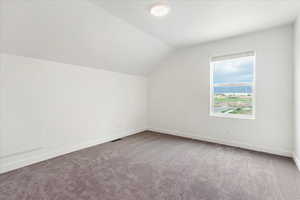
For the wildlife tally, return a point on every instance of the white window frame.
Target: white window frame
(232, 57)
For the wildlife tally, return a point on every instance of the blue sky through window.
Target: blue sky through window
(238, 70)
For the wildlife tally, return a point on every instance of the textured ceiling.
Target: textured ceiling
(195, 21)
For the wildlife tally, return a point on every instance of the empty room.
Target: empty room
(149, 100)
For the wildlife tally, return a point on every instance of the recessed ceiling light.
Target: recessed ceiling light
(160, 9)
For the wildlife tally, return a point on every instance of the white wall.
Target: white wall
(49, 108)
(77, 32)
(179, 93)
(297, 91)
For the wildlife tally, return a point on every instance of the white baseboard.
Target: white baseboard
(224, 142)
(46, 154)
(297, 161)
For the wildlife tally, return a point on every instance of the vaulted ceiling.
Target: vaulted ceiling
(121, 35)
(77, 32)
(192, 22)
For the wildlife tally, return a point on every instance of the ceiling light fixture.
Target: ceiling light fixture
(160, 9)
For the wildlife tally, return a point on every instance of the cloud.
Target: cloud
(233, 71)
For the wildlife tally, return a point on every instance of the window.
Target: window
(233, 86)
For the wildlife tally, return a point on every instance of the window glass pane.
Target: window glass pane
(233, 87)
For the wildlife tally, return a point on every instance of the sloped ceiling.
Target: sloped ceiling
(121, 35)
(191, 22)
(77, 32)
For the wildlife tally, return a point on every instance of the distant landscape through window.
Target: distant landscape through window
(232, 86)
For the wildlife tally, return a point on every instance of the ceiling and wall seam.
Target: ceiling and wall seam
(80, 33)
(133, 25)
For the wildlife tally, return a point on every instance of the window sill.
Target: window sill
(233, 116)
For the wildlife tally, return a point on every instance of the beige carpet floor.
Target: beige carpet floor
(150, 166)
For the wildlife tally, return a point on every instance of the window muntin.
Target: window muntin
(233, 86)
